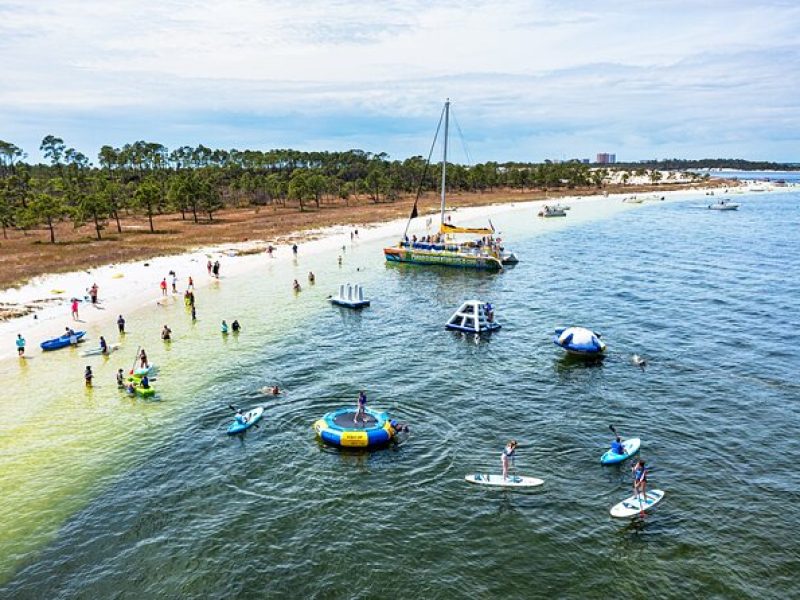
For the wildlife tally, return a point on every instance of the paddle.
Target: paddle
(133, 366)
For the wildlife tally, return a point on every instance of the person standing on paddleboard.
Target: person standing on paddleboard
(143, 357)
(640, 478)
(509, 454)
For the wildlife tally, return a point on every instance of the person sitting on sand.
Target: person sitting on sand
(361, 410)
(235, 326)
(296, 286)
(166, 334)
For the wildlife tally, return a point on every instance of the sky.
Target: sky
(528, 79)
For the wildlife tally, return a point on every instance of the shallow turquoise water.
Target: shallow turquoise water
(708, 298)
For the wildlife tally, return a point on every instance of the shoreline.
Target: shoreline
(129, 286)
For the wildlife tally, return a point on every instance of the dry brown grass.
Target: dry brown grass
(25, 255)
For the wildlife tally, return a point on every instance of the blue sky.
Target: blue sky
(529, 80)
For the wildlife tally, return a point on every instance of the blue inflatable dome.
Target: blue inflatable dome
(579, 341)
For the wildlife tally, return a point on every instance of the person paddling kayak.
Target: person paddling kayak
(617, 447)
(508, 455)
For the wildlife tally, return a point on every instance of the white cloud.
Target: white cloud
(545, 75)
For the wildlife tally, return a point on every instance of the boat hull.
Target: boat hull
(444, 259)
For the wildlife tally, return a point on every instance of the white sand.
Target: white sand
(128, 287)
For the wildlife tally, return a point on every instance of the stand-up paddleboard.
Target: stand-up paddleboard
(99, 351)
(633, 505)
(516, 481)
(252, 417)
(631, 447)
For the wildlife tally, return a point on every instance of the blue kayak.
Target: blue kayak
(251, 418)
(631, 447)
(61, 342)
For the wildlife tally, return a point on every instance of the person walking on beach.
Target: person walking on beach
(75, 309)
(93, 293)
(215, 269)
(270, 250)
(174, 283)
(191, 283)
(361, 409)
(294, 249)
(208, 266)
(20, 345)
(164, 286)
(87, 376)
(508, 455)
(121, 324)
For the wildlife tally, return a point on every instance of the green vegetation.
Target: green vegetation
(148, 179)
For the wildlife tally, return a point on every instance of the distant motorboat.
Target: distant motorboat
(508, 258)
(724, 205)
(473, 316)
(552, 211)
(632, 200)
(350, 296)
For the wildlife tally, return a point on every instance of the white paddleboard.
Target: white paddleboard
(516, 481)
(98, 351)
(633, 506)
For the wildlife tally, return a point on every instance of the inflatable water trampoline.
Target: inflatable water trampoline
(338, 428)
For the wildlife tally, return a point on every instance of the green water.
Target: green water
(105, 495)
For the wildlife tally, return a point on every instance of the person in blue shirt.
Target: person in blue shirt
(145, 382)
(617, 447)
(20, 344)
(224, 327)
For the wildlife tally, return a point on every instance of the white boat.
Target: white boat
(552, 211)
(350, 296)
(474, 316)
(632, 200)
(724, 205)
(560, 206)
(507, 257)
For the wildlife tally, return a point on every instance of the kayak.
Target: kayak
(612, 458)
(251, 418)
(61, 342)
(514, 481)
(632, 506)
(139, 390)
(98, 351)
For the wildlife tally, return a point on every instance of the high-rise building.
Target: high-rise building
(604, 158)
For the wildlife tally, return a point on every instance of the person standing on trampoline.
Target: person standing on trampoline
(361, 411)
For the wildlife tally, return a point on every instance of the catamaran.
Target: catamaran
(443, 249)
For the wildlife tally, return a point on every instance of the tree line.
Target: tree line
(149, 179)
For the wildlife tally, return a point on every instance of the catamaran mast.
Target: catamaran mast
(444, 154)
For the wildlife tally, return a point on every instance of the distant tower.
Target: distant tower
(604, 158)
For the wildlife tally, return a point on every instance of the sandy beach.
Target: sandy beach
(132, 286)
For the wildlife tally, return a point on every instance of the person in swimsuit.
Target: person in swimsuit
(311, 277)
(640, 479)
(296, 286)
(235, 326)
(121, 324)
(120, 379)
(87, 376)
(143, 358)
(166, 334)
(361, 410)
(20, 344)
(508, 455)
(275, 390)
